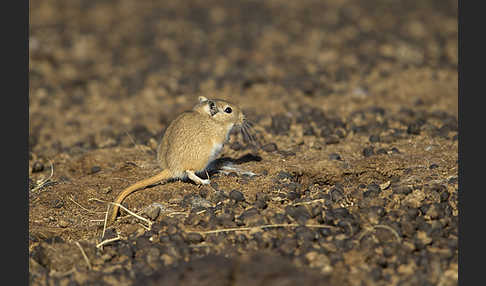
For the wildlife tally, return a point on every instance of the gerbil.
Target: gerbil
(191, 142)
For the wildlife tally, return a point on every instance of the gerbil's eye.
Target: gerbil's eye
(228, 110)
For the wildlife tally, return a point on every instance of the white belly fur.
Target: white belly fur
(218, 147)
(215, 151)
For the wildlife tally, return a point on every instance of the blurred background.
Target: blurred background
(98, 69)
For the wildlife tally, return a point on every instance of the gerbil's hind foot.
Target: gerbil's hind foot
(191, 175)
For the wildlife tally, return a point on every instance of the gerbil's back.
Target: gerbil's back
(185, 143)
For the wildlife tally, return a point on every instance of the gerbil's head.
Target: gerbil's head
(226, 113)
(220, 110)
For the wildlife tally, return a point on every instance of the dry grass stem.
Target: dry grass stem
(79, 205)
(147, 228)
(263, 227)
(106, 219)
(100, 245)
(134, 214)
(309, 202)
(139, 147)
(84, 255)
(178, 213)
(390, 229)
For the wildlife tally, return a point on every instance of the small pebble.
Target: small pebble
(433, 166)
(308, 130)
(325, 232)
(336, 194)
(412, 213)
(194, 237)
(374, 138)
(214, 185)
(299, 213)
(340, 133)
(195, 201)
(413, 128)
(250, 217)
(434, 211)
(381, 151)
(394, 150)
(57, 204)
(95, 169)
(341, 212)
(152, 212)
(368, 151)
(424, 208)
(332, 139)
(325, 131)
(204, 192)
(316, 210)
(279, 218)
(444, 196)
(402, 189)
(419, 102)
(335, 156)
(260, 204)
(106, 190)
(292, 195)
(385, 185)
(373, 190)
(37, 167)
(270, 147)
(63, 223)
(237, 196)
(64, 178)
(286, 153)
(284, 175)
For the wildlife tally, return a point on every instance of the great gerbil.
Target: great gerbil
(191, 142)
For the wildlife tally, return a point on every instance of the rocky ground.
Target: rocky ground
(354, 105)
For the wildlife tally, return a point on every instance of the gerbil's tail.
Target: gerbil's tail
(165, 174)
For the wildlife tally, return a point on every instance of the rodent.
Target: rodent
(191, 142)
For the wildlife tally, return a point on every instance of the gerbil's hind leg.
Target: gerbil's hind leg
(196, 179)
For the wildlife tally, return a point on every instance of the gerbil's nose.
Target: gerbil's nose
(242, 117)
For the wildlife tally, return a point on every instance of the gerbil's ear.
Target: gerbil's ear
(202, 99)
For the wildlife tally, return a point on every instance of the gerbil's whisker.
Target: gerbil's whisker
(248, 127)
(252, 138)
(244, 131)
